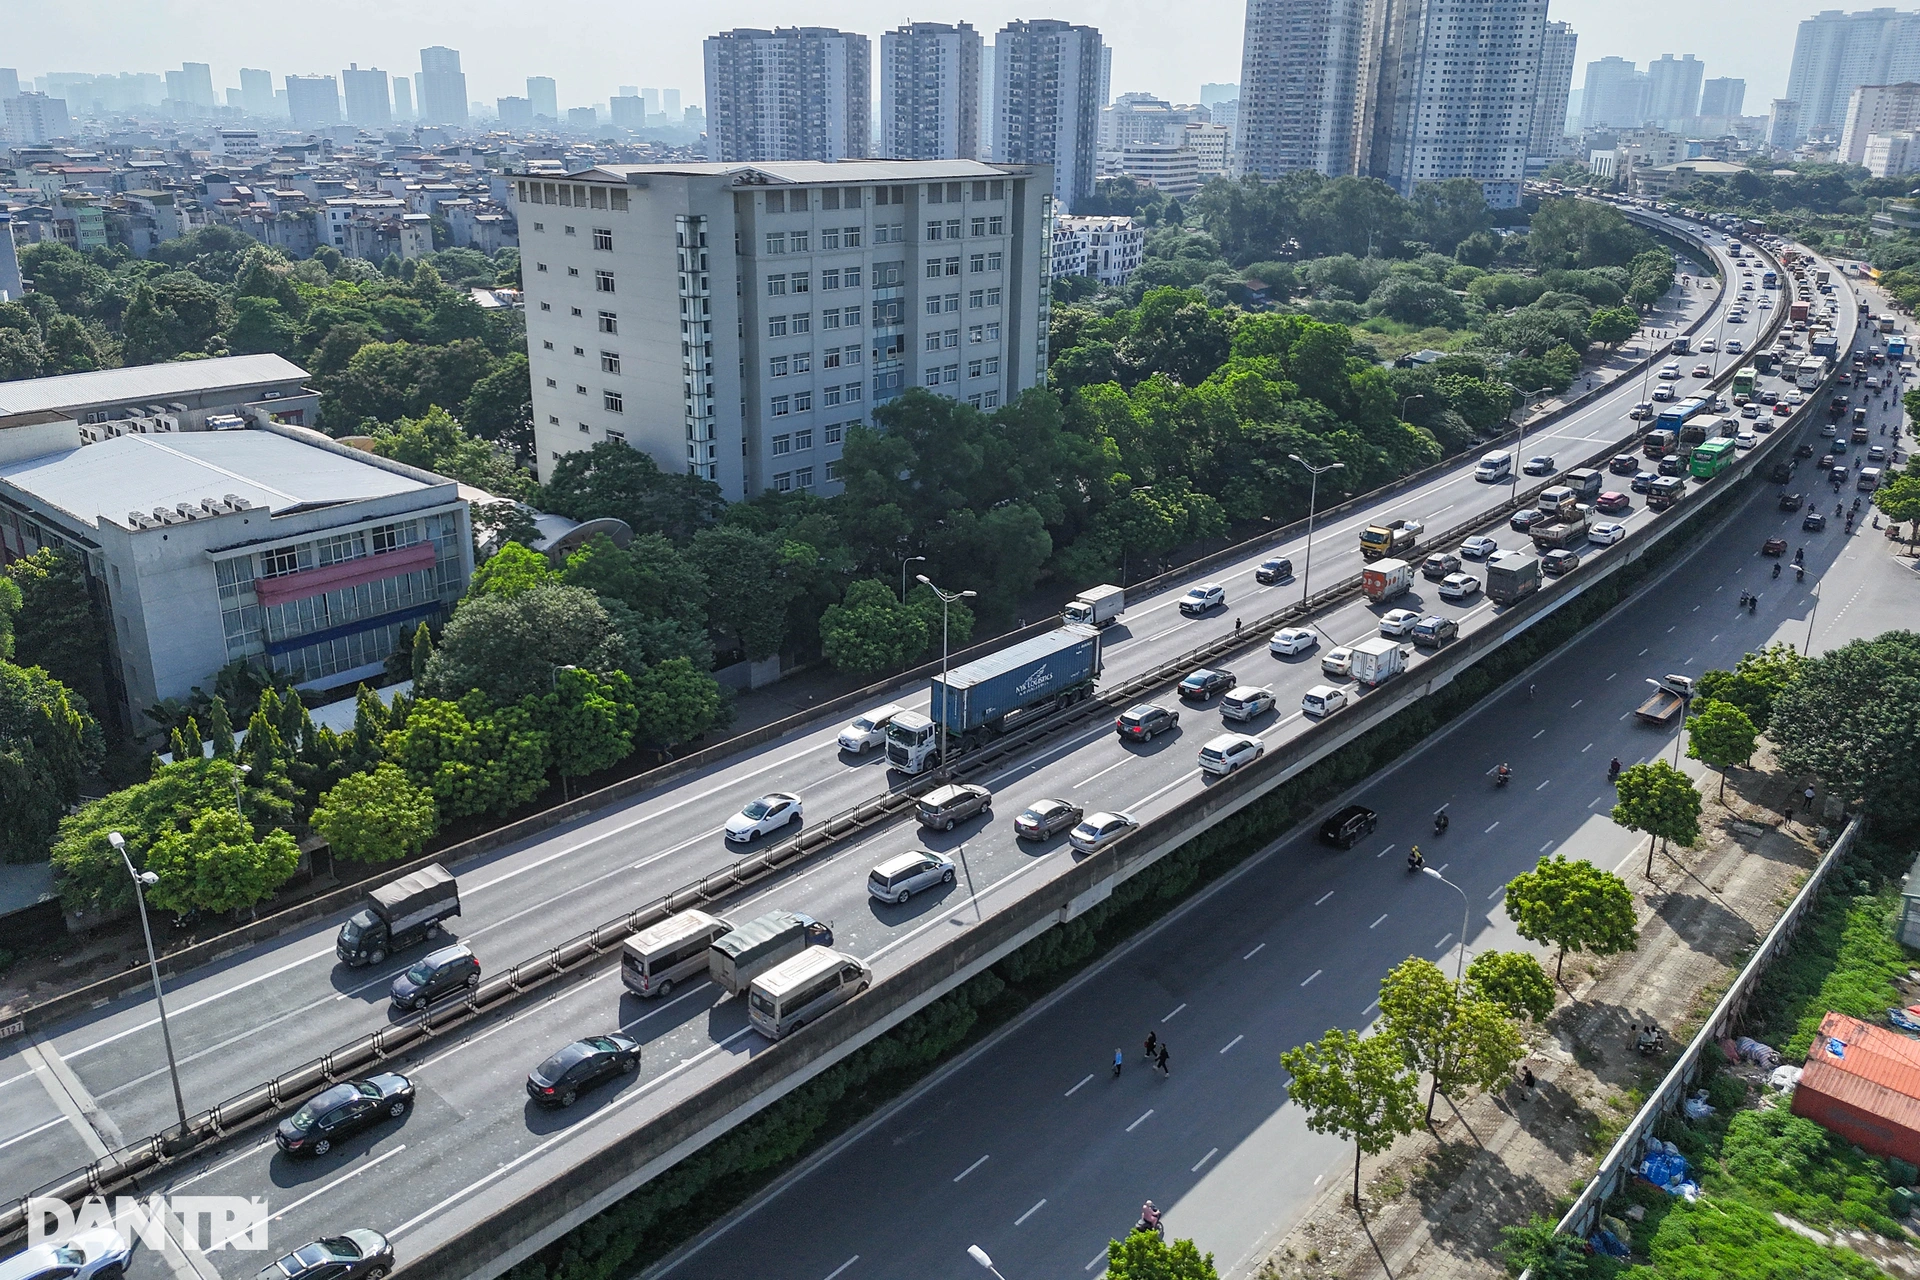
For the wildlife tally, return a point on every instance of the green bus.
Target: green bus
(1743, 382)
(1712, 457)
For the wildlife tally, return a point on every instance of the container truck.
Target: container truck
(1512, 576)
(1384, 579)
(1797, 311)
(982, 699)
(408, 911)
(1095, 607)
(1378, 660)
(1389, 539)
(1821, 342)
(735, 959)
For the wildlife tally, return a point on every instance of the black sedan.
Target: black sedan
(1790, 501)
(1272, 571)
(1206, 682)
(345, 1109)
(582, 1064)
(1045, 818)
(356, 1254)
(1814, 522)
(1527, 517)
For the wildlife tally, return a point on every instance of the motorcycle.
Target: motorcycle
(1776, 568)
(1799, 573)
(1613, 770)
(1150, 1221)
(1440, 822)
(1651, 1040)
(1502, 776)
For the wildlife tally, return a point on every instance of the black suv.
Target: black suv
(1272, 571)
(1623, 464)
(1345, 828)
(1144, 721)
(941, 807)
(356, 1254)
(442, 973)
(345, 1109)
(559, 1080)
(1780, 473)
(1206, 682)
(1790, 502)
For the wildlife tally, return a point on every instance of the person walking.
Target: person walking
(1807, 796)
(1161, 1061)
(1119, 1060)
(1153, 1043)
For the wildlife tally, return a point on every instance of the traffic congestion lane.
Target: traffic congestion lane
(310, 1006)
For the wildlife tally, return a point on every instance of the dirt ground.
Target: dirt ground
(1436, 1201)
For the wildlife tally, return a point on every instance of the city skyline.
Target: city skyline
(500, 48)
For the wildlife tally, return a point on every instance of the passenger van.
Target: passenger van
(653, 960)
(1497, 465)
(803, 989)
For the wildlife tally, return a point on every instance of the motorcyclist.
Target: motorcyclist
(1799, 573)
(1503, 773)
(1776, 568)
(1799, 555)
(1753, 604)
(1440, 822)
(1415, 859)
(1149, 1217)
(1613, 769)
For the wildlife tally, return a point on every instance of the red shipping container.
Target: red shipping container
(1862, 1082)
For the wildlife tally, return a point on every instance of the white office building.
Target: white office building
(1454, 93)
(34, 118)
(1174, 170)
(1209, 143)
(1891, 155)
(544, 96)
(1615, 96)
(369, 103)
(1547, 139)
(1107, 248)
(1301, 87)
(313, 102)
(930, 92)
(1049, 83)
(1877, 108)
(1673, 91)
(1835, 53)
(734, 320)
(795, 93)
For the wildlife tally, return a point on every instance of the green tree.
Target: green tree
(1355, 1087)
(58, 626)
(872, 630)
(1143, 1255)
(1899, 498)
(217, 864)
(1720, 734)
(473, 757)
(1853, 720)
(1515, 981)
(500, 407)
(436, 441)
(1755, 682)
(1581, 233)
(1458, 1038)
(751, 579)
(676, 703)
(589, 720)
(510, 571)
(220, 729)
(507, 647)
(957, 618)
(380, 816)
(612, 479)
(1574, 906)
(21, 354)
(47, 744)
(1537, 1246)
(1660, 800)
(420, 653)
(261, 325)
(1613, 326)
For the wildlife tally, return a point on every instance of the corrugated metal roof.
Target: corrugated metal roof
(798, 171)
(146, 383)
(1869, 1067)
(139, 473)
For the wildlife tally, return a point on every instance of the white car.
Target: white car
(1291, 640)
(1745, 440)
(1663, 393)
(1099, 830)
(1749, 410)
(99, 1252)
(1399, 622)
(1459, 586)
(1224, 754)
(1478, 547)
(1323, 700)
(868, 731)
(1203, 598)
(1606, 533)
(1734, 347)
(1337, 662)
(1709, 345)
(767, 814)
(1766, 304)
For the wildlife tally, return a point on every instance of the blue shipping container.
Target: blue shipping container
(1025, 675)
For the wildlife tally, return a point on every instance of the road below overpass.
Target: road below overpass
(70, 1095)
(1030, 1147)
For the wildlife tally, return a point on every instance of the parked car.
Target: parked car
(1337, 661)
(943, 807)
(448, 971)
(1612, 503)
(764, 816)
(1524, 519)
(1539, 465)
(1398, 622)
(1202, 598)
(1272, 571)
(1347, 827)
(1206, 682)
(1100, 830)
(354, 1254)
(1045, 818)
(1291, 640)
(561, 1079)
(1478, 547)
(1144, 721)
(1606, 533)
(905, 874)
(1559, 561)
(1224, 754)
(343, 1111)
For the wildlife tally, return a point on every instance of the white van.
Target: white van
(797, 991)
(654, 959)
(1497, 465)
(1323, 700)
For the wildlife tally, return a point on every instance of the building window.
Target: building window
(552, 421)
(830, 358)
(829, 279)
(546, 306)
(853, 317)
(570, 231)
(976, 298)
(609, 322)
(800, 281)
(800, 239)
(977, 262)
(279, 562)
(952, 302)
(831, 434)
(782, 406)
(996, 225)
(975, 333)
(547, 345)
(803, 477)
(540, 266)
(951, 373)
(830, 319)
(829, 238)
(777, 367)
(776, 326)
(616, 437)
(777, 286)
(850, 236)
(953, 228)
(993, 296)
(575, 311)
(931, 342)
(933, 376)
(852, 391)
(933, 305)
(993, 365)
(977, 227)
(612, 402)
(580, 351)
(603, 281)
(973, 368)
(951, 337)
(776, 242)
(974, 400)
(802, 401)
(609, 362)
(933, 268)
(579, 390)
(852, 277)
(603, 238)
(953, 266)
(803, 362)
(783, 483)
(833, 471)
(829, 397)
(776, 202)
(553, 384)
(934, 230)
(782, 445)
(993, 262)
(993, 399)
(993, 333)
(539, 226)
(803, 322)
(852, 354)
(573, 271)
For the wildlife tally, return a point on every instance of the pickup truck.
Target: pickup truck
(1669, 699)
(1389, 539)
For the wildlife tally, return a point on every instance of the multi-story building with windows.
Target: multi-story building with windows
(1301, 86)
(1877, 108)
(734, 320)
(796, 93)
(1835, 53)
(1049, 83)
(1107, 248)
(313, 102)
(369, 101)
(1615, 95)
(1547, 135)
(930, 92)
(1673, 91)
(443, 86)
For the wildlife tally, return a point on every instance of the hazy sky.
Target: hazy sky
(1164, 48)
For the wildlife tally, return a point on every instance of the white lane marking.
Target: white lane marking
(350, 1174)
(22, 1137)
(1376, 923)
(516, 1018)
(1323, 897)
(977, 1163)
(1021, 1220)
(1372, 1008)
(1496, 893)
(1444, 941)
(1169, 1018)
(1098, 1258)
(1586, 748)
(1256, 951)
(24, 1075)
(1643, 652)
(1077, 1088)
(1384, 852)
(843, 1266)
(1617, 673)
(1310, 977)
(205, 1000)
(210, 1170)
(1596, 800)
(1548, 845)
(1203, 1159)
(1136, 1124)
(1229, 1044)
(1125, 760)
(1180, 781)
(1543, 785)
(1538, 735)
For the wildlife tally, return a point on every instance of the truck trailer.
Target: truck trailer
(1378, 660)
(981, 700)
(1384, 579)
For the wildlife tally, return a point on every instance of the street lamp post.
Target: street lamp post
(979, 1255)
(946, 598)
(1513, 489)
(903, 574)
(1466, 913)
(1407, 401)
(240, 772)
(141, 879)
(1145, 488)
(1313, 502)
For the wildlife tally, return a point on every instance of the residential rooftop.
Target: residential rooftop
(148, 383)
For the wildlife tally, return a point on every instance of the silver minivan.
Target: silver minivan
(905, 874)
(654, 959)
(800, 990)
(1245, 702)
(1497, 465)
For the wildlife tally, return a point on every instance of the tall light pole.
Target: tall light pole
(1513, 490)
(1407, 401)
(1145, 488)
(903, 574)
(946, 598)
(1466, 912)
(979, 1255)
(1313, 502)
(141, 879)
(240, 772)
